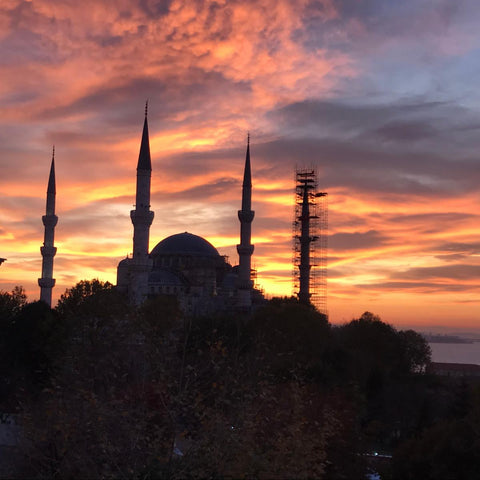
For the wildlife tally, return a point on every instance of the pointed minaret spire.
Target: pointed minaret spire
(142, 218)
(247, 181)
(144, 160)
(48, 250)
(51, 189)
(245, 248)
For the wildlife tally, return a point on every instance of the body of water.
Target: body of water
(456, 352)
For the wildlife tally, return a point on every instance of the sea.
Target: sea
(456, 352)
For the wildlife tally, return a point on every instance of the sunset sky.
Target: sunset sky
(381, 96)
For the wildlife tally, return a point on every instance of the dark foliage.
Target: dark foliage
(148, 393)
(11, 304)
(32, 338)
(449, 447)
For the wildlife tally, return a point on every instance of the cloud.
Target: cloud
(402, 131)
(419, 287)
(467, 248)
(203, 192)
(447, 272)
(356, 241)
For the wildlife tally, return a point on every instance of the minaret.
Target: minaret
(245, 249)
(142, 218)
(47, 282)
(305, 240)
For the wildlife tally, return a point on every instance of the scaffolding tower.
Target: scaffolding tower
(310, 225)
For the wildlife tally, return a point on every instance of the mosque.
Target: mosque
(183, 265)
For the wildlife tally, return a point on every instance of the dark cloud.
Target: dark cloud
(107, 40)
(430, 223)
(21, 44)
(348, 164)
(223, 186)
(19, 205)
(334, 273)
(453, 257)
(372, 25)
(348, 118)
(407, 131)
(191, 162)
(447, 218)
(460, 247)
(119, 104)
(91, 224)
(407, 126)
(433, 131)
(100, 264)
(111, 99)
(423, 287)
(345, 220)
(357, 240)
(455, 272)
(155, 8)
(270, 225)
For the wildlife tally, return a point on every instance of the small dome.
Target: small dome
(124, 263)
(184, 244)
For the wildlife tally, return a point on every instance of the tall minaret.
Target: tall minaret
(47, 282)
(305, 240)
(142, 218)
(245, 249)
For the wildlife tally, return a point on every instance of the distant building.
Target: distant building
(185, 265)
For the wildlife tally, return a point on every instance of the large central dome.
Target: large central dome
(185, 244)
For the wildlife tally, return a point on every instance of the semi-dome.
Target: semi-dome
(184, 244)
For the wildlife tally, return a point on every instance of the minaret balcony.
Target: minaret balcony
(245, 249)
(48, 251)
(46, 282)
(49, 221)
(142, 217)
(246, 216)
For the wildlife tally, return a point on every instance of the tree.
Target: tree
(289, 335)
(92, 420)
(417, 353)
(447, 450)
(238, 397)
(373, 348)
(11, 303)
(159, 314)
(90, 296)
(33, 341)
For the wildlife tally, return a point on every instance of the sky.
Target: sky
(380, 96)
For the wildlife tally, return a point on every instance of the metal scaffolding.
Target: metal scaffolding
(310, 225)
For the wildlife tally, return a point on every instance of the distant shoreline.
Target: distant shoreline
(446, 339)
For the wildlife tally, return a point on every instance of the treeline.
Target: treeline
(106, 391)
